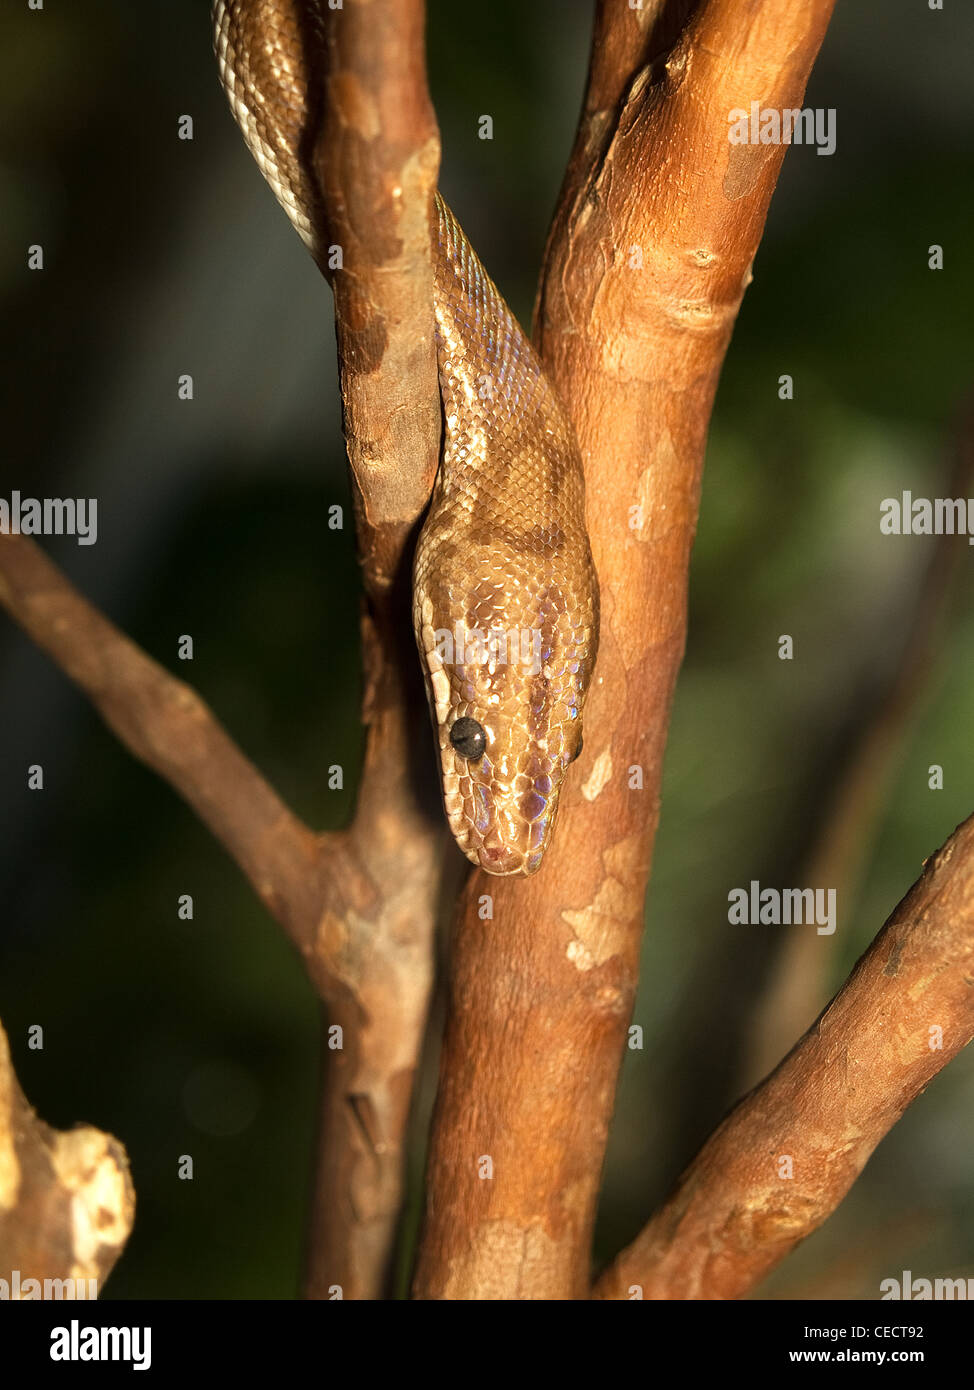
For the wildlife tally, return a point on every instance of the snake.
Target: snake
(505, 596)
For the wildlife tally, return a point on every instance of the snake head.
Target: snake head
(505, 595)
(507, 707)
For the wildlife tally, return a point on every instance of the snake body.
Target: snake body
(505, 597)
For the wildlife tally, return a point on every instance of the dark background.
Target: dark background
(164, 257)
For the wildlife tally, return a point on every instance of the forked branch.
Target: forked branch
(649, 255)
(784, 1158)
(360, 905)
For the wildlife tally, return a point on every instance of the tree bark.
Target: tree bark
(66, 1198)
(647, 261)
(787, 1154)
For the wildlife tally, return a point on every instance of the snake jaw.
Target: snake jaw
(501, 805)
(503, 864)
(501, 808)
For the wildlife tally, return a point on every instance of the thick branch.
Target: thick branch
(369, 151)
(377, 159)
(852, 810)
(624, 41)
(788, 1153)
(644, 274)
(66, 1199)
(376, 928)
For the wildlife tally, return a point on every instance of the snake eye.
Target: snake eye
(468, 738)
(578, 749)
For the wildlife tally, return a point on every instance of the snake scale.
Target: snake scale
(505, 596)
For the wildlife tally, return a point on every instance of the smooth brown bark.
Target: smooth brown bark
(375, 160)
(788, 1153)
(375, 157)
(647, 262)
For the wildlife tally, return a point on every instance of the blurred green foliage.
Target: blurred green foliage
(201, 1037)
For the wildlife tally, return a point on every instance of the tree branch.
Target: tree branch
(850, 815)
(375, 162)
(165, 724)
(66, 1199)
(784, 1158)
(360, 905)
(646, 265)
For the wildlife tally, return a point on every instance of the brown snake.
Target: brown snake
(505, 597)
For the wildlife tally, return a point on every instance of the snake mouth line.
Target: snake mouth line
(498, 862)
(488, 847)
(503, 862)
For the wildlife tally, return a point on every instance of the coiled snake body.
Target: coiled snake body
(505, 598)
